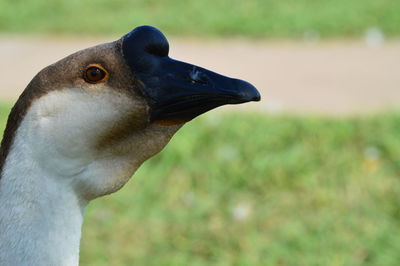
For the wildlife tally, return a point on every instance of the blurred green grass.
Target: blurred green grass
(254, 18)
(253, 189)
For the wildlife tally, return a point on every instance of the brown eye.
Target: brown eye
(95, 74)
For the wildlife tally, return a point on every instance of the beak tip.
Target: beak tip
(256, 97)
(248, 92)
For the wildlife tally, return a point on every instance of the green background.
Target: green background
(251, 18)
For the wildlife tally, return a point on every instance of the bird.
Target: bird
(81, 129)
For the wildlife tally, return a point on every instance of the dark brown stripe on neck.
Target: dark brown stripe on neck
(15, 118)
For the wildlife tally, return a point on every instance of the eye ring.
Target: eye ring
(95, 73)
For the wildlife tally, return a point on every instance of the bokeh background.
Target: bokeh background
(308, 176)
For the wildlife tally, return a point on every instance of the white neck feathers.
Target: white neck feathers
(40, 216)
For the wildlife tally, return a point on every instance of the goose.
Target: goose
(82, 127)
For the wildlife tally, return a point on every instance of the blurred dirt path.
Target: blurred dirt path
(331, 78)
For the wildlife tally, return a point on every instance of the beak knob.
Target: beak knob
(142, 46)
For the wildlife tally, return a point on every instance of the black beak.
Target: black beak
(177, 91)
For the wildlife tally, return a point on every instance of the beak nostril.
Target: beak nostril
(198, 77)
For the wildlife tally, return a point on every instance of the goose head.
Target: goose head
(91, 119)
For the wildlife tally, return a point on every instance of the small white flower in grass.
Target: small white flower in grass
(228, 153)
(374, 37)
(241, 212)
(372, 153)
